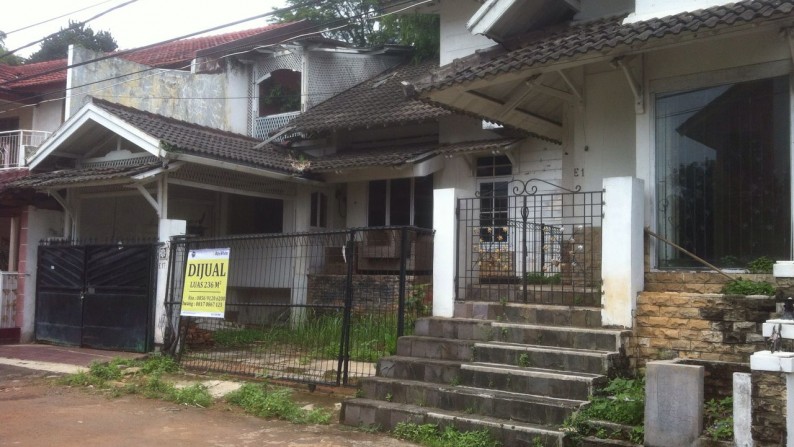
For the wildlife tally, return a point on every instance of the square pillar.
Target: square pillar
(445, 250)
(622, 250)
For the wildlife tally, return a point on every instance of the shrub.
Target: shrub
(761, 265)
(747, 287)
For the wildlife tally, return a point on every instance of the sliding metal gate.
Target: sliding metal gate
(97, 296)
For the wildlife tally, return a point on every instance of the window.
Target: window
(253, 215)
(723, 173)
(280, 92)
(319, 212)
(493, 197)
(406, 201)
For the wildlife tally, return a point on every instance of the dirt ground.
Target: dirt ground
(34, 411)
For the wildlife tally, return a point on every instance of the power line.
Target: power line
(56, 18)
(72, 26)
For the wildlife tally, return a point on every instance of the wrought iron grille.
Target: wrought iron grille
(8, 299)
(517, 243)
(309, 307)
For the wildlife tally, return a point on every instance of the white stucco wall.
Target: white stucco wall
(456, 40)
(41, 224)
(48, 115)
(648, 9)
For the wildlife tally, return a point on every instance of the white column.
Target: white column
(167, 229)
(622, 250)
(444, 251)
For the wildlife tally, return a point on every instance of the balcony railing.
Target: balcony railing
(17, 146)
(265, 125)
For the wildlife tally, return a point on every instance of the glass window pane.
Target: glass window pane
(400, 203)
(723, 175)
(377, 203)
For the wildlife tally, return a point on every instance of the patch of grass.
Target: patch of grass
(263, 401)
(622, 401)
(719, 418)
(542, 279)
(748, 287)
(431, 435)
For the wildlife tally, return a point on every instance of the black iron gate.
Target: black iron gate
(519, 243)
(97, 296)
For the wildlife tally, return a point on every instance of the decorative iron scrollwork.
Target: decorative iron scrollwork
(526, 188)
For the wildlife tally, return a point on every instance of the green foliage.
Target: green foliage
(261, 401)
(719, 418)
(540, 278)
(77, 33)
(622, 401)
(748, 287)
(761, 265)
(364, 30)
(432, 436)
(524, 360)
(9, 59)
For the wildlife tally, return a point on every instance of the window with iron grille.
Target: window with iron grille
(493, 193)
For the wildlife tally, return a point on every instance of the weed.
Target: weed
(719, 418)
(359, 393)
(540, 278)
(748, 287)
(389, 397)
(537, 442)
(455, 381)
(261, 401)
(761, 265)
(622, 401)
(432, 436)
(524, 360)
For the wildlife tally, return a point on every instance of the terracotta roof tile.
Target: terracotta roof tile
(175, 54)
(377, 102)
(188, 138)
(577, 39)
(396, 156)
(42, 180)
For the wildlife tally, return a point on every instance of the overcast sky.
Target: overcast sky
(137, 24)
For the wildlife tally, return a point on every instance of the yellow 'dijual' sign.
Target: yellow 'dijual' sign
(206, 274)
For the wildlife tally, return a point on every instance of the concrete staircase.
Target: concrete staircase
(517, 370)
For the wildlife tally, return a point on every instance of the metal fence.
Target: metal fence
(310, 307)
(519, 244)
(8, 299)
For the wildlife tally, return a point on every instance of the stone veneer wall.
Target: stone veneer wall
(769, 409)
(719, 332)
(711, 327)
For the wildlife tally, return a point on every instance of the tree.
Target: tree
(9, 59)
(57, 45)
(361, 29)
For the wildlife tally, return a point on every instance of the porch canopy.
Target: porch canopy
(527, 80)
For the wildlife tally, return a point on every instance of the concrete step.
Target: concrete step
(535, 381)
(532, 334)
(540, 294)
(560, 359)
(434, 348)
(412, 368)
(474, 401)
(385, 416)
(564, 337)
(575, 316)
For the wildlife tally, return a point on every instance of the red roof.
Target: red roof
(175, 54)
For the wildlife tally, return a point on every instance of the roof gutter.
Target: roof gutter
(241, 168)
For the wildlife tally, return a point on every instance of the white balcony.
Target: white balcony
(16, 146)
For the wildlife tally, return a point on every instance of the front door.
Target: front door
(97, 296)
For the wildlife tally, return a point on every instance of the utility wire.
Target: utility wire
(71, 27)
(56, 18)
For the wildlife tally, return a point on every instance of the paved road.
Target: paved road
(35, 412)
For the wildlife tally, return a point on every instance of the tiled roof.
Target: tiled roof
(396, 156)
(603, 36)
(175, 54)
(377, 102)
(43, 180)
(192, 139)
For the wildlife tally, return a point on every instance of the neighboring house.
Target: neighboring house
(187, 156)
